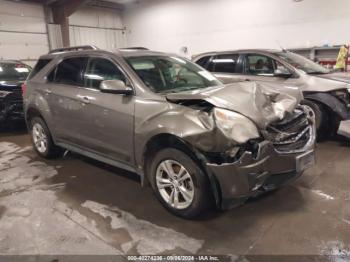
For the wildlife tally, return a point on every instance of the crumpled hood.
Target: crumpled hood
(262, 103)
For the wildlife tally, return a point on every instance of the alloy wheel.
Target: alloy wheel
(174, 184)
(39, 138)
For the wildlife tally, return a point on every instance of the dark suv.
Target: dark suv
(193, 139)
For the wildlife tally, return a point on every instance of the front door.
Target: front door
(261, 68)
(107, 120)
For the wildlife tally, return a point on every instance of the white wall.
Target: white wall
(97, 26)
(22, 31)
(206, 25)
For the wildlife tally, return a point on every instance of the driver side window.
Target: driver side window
(259, 65)
(100, 69)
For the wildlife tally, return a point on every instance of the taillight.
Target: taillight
(24, 89)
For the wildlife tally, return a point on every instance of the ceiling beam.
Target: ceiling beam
(106, 4)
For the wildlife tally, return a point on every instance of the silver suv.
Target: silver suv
(196, 141)
(327, 93)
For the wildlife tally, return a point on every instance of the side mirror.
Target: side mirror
(115, 87)
(282, 73)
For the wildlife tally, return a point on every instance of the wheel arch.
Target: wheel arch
(329, 102)
(165, 140)
(32, 112)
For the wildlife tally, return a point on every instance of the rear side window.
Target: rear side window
(225, 63)
(37, 68)
(69, 71)
(203, 62)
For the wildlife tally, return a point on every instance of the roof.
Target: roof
(121, 52)
(238, 51)
(135, 52)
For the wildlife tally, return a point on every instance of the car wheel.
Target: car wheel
(179, 183)
(42, 140)
(321, 118)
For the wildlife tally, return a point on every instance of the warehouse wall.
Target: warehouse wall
(204, 25)
(98, 26)
(22, 31)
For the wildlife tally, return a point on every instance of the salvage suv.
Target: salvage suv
(196, 141)
(325, 92)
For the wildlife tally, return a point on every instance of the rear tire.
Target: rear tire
(42, 139)
(187, 183)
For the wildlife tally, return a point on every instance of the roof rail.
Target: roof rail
(73, 48)
(134, 48)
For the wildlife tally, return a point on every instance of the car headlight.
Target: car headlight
(235, 126)
(341, 92)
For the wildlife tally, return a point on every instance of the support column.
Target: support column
(61, 12)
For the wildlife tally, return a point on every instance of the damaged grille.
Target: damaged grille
(294, 133)
(12, 105)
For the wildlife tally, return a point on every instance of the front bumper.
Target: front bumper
(344, 128)
(267, 170)
(11, 110)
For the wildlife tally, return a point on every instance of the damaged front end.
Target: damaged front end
(284, 151)
(11, 106)
(256, 139)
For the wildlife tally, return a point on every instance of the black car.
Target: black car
(12, 76)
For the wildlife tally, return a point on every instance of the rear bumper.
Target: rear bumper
(344, 128)
(268, 170)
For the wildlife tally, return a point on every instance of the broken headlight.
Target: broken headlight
(343, 95)
(235, 126)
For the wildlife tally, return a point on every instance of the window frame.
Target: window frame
(237, 66)
(129, 82)
(245, 57)
(32, 73)
(88, 56)
(209, 59)
(127, 79)
(294, 73)
(54, 71)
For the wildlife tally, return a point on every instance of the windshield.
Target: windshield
(163, 74)
(13, 71)
(302, 63)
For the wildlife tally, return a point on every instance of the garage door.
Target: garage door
(22, 31)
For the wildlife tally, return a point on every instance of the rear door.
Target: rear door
(62, 93)
(227, 67)
(106, 120)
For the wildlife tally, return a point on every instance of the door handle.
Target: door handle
(247, 80)
(85, 100)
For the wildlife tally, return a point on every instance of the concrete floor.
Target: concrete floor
(76, 205)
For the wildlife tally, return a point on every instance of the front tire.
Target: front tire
(322, 121)
(179, 183)
(42, 140)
